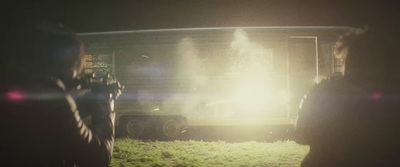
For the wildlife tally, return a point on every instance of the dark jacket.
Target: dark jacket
(41, 126)
(350, 123)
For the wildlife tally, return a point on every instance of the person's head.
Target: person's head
(45, 50)
(369, 55)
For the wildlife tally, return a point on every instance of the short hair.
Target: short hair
(45, 48)
(368, 53)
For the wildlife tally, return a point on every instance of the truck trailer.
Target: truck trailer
(177, 79)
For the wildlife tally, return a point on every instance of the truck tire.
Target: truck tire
(170, 129)
(135, 128)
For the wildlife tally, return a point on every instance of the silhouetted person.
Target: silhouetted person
(354, 120)
(40, 123)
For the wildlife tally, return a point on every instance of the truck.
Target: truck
(180, 79)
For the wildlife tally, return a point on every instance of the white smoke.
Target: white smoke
(188, 58)
(248, 56)
(190, 77)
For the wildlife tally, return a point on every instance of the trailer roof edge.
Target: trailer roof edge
(215, 28)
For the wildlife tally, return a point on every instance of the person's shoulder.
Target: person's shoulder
(55, 90)
(48, 92)
(51, 93)
(47, 84)
(322, 95)
(331, 84)
(333, 88)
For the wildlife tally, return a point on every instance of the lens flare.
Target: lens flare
(15, 95)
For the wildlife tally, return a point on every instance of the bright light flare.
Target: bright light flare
(255, 94)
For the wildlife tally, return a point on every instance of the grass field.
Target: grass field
(130, 152)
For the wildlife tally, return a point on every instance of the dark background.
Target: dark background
(107, 15)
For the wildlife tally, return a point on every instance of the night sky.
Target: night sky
(106, 15)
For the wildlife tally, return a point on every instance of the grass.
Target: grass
(130, 152)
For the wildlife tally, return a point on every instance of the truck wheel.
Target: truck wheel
(171, 128)
(135, 128)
